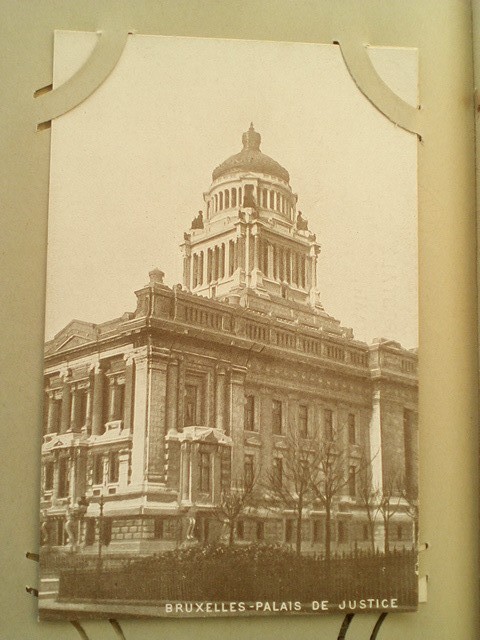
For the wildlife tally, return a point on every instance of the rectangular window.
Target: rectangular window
(82, 409)
(250, 413)
(192, 405)
(317, 531)
(56, 415)
(159, 528)
(278, 472)
(90, 531)
(240, 529)
(98, 469)
(119, 402)
(249, 470)
(48, 475)
(352, 436)
(204, 472)
(114, 466)
(260, 530)
(63, 484)
(106, 531)
(288, 531)
(277, 416)
(352, 482)
(303, 420)
(342, 532)
(328, 423)
(399, 532)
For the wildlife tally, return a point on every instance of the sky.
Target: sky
(129, 166)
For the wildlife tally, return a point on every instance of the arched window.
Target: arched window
(231, 257)
(288, 266)
(195, 266)
(209, 266)
(227, 199)
(200, 268)
(234, 197)
(302, 271)
(216, 263)
(265, 258)
(220, 204)
(222, 261)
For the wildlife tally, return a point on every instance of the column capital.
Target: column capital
(95, 367)
(65, 374)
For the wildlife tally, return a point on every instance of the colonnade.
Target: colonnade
(266, 198)
(275, 261)
(88, 404)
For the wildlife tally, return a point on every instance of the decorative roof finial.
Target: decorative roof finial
(251, 139)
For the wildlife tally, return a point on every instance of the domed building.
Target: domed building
(203, 391)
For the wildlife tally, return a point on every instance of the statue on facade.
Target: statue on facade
(70, 528)
(44, 537)
(249, 198)
(197, 222)
(302, 223)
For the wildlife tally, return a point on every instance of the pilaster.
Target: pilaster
(375, 439)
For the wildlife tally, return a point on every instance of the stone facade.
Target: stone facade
(150, 417)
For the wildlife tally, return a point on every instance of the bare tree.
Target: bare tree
(369, 498)
(289, 483)
(234, 501)
(410, 499)
(328, 483)
(389, 504)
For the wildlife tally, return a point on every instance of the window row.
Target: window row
(303, 420)
(266, 198)
(73, 410)
(275, 262)
(105, 469)
(280, 263)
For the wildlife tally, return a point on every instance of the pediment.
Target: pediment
(75, 334)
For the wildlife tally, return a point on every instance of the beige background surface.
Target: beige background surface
(448, 437)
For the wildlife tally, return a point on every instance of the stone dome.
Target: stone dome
(251, 158)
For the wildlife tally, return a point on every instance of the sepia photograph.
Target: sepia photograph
(231, 390)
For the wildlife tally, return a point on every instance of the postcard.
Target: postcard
(231, 389)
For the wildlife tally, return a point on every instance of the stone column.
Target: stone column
(112, 399)
(220, 399)
(88, 411)
(270, 261)
(256, 249)
(139, 418)
(55, 476)
(237, 418)
(97, 414)
(124, 458)
(375, 440)
(129, 382)
(186, 479)
(172, 395)
(51, 412)
(66, 405)
(72, 483)
(75, 409)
